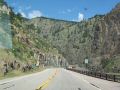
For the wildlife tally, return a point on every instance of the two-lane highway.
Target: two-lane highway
(57, 79)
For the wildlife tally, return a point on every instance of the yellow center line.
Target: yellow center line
(47, 82)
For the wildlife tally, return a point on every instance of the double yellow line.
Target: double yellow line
(47, 82)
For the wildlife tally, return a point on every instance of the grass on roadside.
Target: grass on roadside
(15, 73)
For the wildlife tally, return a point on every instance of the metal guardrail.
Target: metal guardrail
(105, 76)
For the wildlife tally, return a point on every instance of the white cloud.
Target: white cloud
(80, 17)
(74, 20)
(34, 13)
(22, 13)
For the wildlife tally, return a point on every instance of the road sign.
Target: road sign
(86, 61)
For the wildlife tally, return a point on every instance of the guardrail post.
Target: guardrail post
(106, 76)
(90, 73)
(95, 74)
(114, 78)
(100, 75)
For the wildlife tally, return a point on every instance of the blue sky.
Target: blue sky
(62, 9)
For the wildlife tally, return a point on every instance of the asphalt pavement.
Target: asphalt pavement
(57, 79)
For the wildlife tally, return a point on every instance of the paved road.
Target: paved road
(57, 79)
